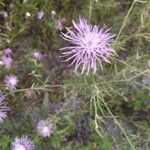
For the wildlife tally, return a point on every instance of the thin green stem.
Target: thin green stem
(96, 118)
(125, 20)
(90, 10)
(116, 121)
(35, 89)
(127, 16)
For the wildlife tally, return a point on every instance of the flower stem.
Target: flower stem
(90, 10)
(116, 121)
(127, 16)
(125, 20)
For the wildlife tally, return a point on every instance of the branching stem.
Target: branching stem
(127, 16)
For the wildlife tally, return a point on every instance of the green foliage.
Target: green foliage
(110, 93)
(5, 142)
(102, 143)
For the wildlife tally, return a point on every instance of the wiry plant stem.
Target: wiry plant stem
(125, 20)
(126, 17)
(116, 121)
(90, 10)
(98, 93)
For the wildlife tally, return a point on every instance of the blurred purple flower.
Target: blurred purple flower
(40, 14)
(3, 107)
(5, 14)
(23, 143)
(44, 128)
(7, 61)
(8, 52)
(38, 55)
(59, 24)
(88, 44)
(2, 96)
(11, 81)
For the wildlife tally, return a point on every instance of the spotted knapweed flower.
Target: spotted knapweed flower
(11, 81)
(4, 14)
(7, 61)
(60, 24)
(38, 55)
(88, 44)
(3, 107)
(8, 52)
(23, 143)
(44, 128)
(40, 14)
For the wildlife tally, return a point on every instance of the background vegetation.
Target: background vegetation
(105, 111)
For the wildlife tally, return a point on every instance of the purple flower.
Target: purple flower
(23, 143)
(3, 107)
(5, 14)
(11, 82)
(88, 44)
(7, 61)
(38, 55)
(44, 128)
(8, 52)
(2, 96)
(40, 15)
(59, 24)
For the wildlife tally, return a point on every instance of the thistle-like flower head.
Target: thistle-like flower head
(40, 14)
(23, 143)
(7, 61)
(88, 44)
(44, 128)
(3, 107)
(8, 51)
(38, 55)
(11, 81)
(60, 24)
